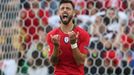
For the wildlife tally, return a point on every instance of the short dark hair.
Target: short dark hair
(67, 1)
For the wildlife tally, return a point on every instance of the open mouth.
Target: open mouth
(65, 16)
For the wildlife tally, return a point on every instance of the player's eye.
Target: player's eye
(68, 8)
(62, 8)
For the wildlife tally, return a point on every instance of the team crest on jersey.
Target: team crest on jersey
(66, 39)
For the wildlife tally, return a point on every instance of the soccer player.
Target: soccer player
(68, 43)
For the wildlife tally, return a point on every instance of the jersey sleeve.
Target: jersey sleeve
(83, 45)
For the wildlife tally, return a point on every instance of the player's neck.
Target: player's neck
(66, 28)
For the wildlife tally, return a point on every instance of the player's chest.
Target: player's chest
(64, 40)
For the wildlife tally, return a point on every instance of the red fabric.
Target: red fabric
(126, 40)
(41, 13)
(28, 38)
(36, 37)
(111, 54)
(67, 64)
(108, 3)
(115, 62)
(44, 21)
(31, 14)
(82, 4)
(27, 22)
(32, 20)
(48, 13)
(32, 30)
(36, 22)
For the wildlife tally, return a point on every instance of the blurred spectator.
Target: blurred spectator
(96, 27)
(114, 22)
(9, 37)
(90, 5)
(130, 11)
(9, 48)
(112, 3)
(132, 5)
(127, 39)
(36, 54)
(34, 21)
(54, 21)
(83, 21)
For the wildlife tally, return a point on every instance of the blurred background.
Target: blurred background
(24, 25)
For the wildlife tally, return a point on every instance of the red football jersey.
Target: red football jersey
(67, 64)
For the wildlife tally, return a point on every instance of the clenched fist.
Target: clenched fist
(73, 37)
(55, 39)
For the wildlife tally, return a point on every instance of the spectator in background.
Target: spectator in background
(9, 37)
(32, 17)
(10, 47)
(83, 21)
(37, 54)
(127, 39)
(114, 20)
(97, 29)
(54, 21)
(127, 42)
(131, 9)
(34, 20)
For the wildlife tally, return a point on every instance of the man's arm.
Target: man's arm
(54, 57)
(78, 56)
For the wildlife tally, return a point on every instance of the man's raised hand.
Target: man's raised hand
(73, 37)
(55, 39)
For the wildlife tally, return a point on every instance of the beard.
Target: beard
(69, 18)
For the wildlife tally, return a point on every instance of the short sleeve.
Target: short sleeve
(84, 42)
